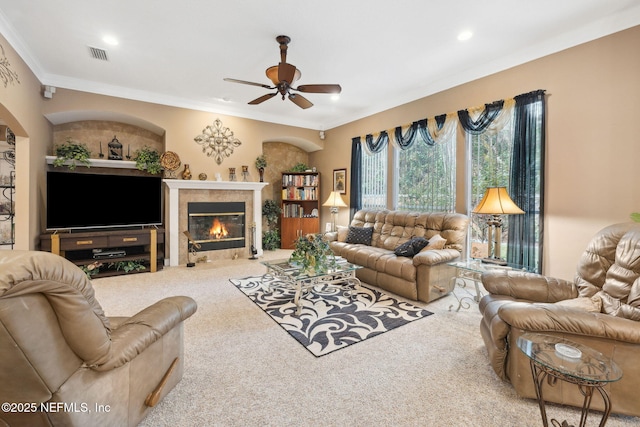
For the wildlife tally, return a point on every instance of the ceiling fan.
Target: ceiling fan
(283, 76)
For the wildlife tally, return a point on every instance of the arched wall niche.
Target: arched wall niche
(97, 128)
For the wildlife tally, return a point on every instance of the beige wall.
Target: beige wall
(593, 145)
(593, 100)
(20, 109)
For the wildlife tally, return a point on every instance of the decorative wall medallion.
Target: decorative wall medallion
(217, 141)
(6, 74)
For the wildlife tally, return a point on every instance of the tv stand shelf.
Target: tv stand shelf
(140, 244)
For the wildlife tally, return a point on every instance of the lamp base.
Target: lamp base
(496, 261)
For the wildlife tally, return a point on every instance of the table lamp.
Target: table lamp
(335, 201)
(496, 202)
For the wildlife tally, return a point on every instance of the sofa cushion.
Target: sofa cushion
(360, 235)
(411, 247)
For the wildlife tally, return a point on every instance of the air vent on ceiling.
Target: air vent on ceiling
(97, 53)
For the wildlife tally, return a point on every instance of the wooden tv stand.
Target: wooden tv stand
(84, 248)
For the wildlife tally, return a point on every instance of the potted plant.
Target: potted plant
(299, 167)
(261, 163)
(271, 237)
(313, 254)
(148, 159)
(72, 154)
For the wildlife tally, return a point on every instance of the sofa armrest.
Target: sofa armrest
(529, 286)
(546, 317)
(138, 332)
(435, 257)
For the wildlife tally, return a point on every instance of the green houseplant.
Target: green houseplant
(271, 237)
(72, 153)
(261, 163)
(299, 167)
(148, 159)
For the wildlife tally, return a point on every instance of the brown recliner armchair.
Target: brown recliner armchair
(600, 309)
(64, 363)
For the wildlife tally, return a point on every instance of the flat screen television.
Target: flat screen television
(98, 200)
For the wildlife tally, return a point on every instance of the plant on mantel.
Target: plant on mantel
(72, 153)
(148, 159)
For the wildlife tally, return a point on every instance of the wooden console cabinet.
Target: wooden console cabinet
(84, 248)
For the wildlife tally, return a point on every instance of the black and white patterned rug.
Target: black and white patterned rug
(330, 321)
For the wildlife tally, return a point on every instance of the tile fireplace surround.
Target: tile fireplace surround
(181, 192)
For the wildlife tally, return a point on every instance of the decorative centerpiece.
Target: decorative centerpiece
(261, 163)
(313, 254)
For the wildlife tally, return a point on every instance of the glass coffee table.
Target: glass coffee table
(286, 275)
(553, 358)
(472, 269)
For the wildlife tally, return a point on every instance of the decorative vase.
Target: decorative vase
(186, 173)
(261, 172)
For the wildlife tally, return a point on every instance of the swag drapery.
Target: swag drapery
(431, 131)
(526, 181)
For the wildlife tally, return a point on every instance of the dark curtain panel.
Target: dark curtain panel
(355, 201)
(489, 114)
(526, 182)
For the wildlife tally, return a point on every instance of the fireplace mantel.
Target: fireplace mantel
(175, 185)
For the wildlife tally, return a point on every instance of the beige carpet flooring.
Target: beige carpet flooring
(243, 369)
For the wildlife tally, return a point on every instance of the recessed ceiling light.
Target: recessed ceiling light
(465, 35)
(335, 97)
(110, 40)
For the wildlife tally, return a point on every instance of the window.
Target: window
(374, 179)
(489, 166)
(426, 176)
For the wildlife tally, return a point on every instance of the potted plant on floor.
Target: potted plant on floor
(271, 237)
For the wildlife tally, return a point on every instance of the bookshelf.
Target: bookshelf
(300, 206)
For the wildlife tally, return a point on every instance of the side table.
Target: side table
(472, 269)
(553, 358)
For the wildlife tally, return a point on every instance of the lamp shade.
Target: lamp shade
(496, 201)
(335, 200)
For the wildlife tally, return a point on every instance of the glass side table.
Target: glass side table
(472, 269)
(553, 358)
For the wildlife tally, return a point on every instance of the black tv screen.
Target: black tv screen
(92, 200)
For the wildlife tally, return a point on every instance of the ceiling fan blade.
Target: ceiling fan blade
(244, 82)
(319, 88)
(263, 98)
(300, 101)
(286, 72)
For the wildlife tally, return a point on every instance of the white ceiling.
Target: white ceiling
(382, 53)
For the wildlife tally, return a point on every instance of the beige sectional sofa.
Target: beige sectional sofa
(424, 276)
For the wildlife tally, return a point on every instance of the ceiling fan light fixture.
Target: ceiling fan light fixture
(272, 74)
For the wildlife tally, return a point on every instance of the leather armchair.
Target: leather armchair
(600, 309)
(64, 363)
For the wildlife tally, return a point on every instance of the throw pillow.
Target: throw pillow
(360, 235)
(419, 243)
(405, 249)
(435, 242)
(411, 247)
(342, 233)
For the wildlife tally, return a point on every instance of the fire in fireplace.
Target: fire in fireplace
(217, 225)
